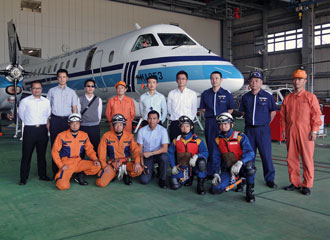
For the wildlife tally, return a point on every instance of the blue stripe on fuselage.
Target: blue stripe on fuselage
(5, 83)
(181, 59)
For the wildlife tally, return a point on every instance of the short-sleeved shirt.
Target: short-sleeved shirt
(257, 108)
(215, 103)
(155, 102)
(152, 140)
(62, 100)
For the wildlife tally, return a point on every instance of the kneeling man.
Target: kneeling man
(117, 145)
(66, 153)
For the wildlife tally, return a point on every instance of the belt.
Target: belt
(36, 126)
(61, 117)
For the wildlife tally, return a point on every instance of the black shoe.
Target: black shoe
(79, 178)
(271, 184)
(22, 182)
(127, 180)
(162, 183)
(45, 178)
(215, 191)
(189, 182)
(240, 188)
(291, 188)
(200, 186)
(249, 193)
(209, 177)
(306, 191)
(175, 184)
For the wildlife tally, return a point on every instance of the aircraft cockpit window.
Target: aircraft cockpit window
(111, 56)
(55, 67)
(61, 65)
(67, 64)
(44, 70)
(175, 39)
(74, 63)
(144, 41)
(49, 68)
(39, 71)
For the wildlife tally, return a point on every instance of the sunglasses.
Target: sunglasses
(92, 86)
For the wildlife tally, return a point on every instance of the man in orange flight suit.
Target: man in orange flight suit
(121, 104)
(117, 145)
(300, 121)
(66, 152)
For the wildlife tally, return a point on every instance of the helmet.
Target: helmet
(74, 117)
(185, 119)
(118, 118)
(225, 118)
(299, 73)
(256, 74)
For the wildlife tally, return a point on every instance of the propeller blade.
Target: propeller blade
(15, 106)
(14, 46)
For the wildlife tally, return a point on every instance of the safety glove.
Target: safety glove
(175, 170)
(192, 161)
(121, 171)
(236, 168)
(216, 179)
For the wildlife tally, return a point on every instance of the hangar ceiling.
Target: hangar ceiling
(214, 9)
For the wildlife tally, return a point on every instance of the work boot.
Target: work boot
(79, 178)
(174, 184)
(127, 179)
(215, 191)
(240, 187)
(249, 193)
(200, 186)
(189, 182)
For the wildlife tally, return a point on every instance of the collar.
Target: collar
(301, 92)
(187, 137)
(152, 95)
(149, 129)
(88, 97)
(61, 87)
(229, 133)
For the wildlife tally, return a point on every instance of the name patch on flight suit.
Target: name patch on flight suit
(222, 98)
(263, 100)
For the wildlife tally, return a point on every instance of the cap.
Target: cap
(299, 73)
(120, 83)
(256, 75)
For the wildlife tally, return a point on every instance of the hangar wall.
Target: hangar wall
(77, 23)
(247, 31)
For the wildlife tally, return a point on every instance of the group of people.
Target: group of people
(227, 158)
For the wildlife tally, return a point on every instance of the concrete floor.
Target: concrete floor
(39, 211)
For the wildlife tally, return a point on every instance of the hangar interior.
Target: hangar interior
(275, 37)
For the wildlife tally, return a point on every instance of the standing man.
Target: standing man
(63, 102)
(300, 121)
(66, 152)
(34, 111)
(119, 154)
(259, 109)
(121, 104)
(152, 100)
(181, 101)
(153, 142)
(90, 108)
(214, 101)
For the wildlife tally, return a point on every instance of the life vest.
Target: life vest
(231, 144)
(185, 149)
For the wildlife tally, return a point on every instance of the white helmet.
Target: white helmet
(225, 118)
(74, 117)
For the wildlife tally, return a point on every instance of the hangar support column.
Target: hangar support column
(227, 36)
(265, 38)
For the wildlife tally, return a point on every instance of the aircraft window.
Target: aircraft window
(111, 56)
(44, 70)
(55, 67)
(39, 71)
(145, 41)
(67, 64)
(74, 63)
(61, 65)
(49, 68)
(175, 39)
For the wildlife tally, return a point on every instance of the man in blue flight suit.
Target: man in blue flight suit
(214, 101)
(188, 156)
(234, 156)
(259, 109)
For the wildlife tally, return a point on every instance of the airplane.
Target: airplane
(161, 50)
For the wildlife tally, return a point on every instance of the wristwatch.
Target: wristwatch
(152, 153)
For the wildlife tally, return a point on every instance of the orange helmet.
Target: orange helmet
(120, 83)
(299, 73)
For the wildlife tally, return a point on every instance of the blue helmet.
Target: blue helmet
(256, 75)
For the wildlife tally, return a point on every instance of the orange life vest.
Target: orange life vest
(231, 144)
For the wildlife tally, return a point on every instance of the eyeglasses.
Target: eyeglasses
(36, 88)
(92, 86)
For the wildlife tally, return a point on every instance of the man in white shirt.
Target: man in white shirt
(152, 100)
(181, 101)
(34, 112)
